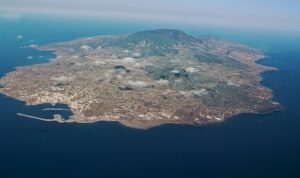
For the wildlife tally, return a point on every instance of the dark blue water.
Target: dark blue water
(247, 146)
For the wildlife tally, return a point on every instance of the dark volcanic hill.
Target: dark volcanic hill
(161, 37)
(158, 42)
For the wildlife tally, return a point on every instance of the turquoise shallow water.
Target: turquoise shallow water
(246, 146)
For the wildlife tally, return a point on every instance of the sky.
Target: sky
(270, 14)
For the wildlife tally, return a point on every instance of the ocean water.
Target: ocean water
(246, 146)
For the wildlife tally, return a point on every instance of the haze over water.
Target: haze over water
(246, 146)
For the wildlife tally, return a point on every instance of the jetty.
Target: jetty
(56, 118)
(37, 118)
(56, 109)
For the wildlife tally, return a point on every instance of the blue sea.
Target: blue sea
(248, 145)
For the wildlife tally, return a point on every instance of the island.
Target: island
(146, 79)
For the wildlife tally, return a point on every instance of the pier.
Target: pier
(37, 118)
(56, 118)
(56, 109)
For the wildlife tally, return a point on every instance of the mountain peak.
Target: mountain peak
(159, 37)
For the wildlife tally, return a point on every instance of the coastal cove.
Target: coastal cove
(244, 146)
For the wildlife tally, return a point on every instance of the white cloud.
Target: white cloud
(191, 70)
(19, 37)
(128, 60)
(33, 46)
(85, 47)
